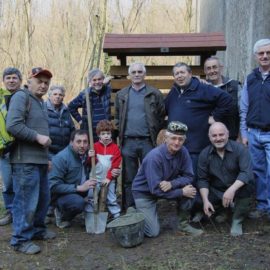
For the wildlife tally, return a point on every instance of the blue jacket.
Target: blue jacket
(258, 89)
(80, 102)
(66, 173)
(193, 107)
(60, 128)
(159, 165)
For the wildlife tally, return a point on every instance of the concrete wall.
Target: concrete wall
(243, 23)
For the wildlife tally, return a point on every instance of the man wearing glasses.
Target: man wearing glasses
(255, 124)
(139, 114)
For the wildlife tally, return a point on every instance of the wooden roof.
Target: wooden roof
(163, 44)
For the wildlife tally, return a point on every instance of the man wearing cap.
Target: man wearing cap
(166, 172)
(27, 121)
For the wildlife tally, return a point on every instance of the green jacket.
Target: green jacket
(154, 110)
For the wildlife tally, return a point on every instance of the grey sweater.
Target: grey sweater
(27, 117)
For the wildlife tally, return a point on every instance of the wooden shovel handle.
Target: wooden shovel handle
(102, 198)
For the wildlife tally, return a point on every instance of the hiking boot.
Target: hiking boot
(58, 220)
(184, 226)
(47, 235)
(48, 220)
(240, 211)
(221, 218)
(236, 228)
(27, 248)
(6, 219)
(198, 217)
(255, 214)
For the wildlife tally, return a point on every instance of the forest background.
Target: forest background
(66, 36)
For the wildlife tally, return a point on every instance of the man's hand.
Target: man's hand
(43, 140)
(189, 191)
(245, 141)
(165, 186)
(49, 165)
(208, 208)
(116, 172)
(211, 120)
(107, 79)
(87, 185)
(105, 182)
(228, 197)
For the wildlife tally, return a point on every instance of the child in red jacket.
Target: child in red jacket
(108, 160)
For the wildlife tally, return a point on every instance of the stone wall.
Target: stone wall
(243, 23)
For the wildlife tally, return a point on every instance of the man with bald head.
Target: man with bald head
(225, 177)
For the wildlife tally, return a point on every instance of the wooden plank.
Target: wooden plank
(163, 43)
(160, 84)
(153, 70)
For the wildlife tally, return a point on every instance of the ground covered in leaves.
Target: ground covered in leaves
(215, 249)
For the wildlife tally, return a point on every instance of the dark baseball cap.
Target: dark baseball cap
(35, 72)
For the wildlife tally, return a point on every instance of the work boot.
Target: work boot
(198, 217)
(27, 248)
(257, 213)
(59, 222)
(184, 226)
(240, 211)
(6, 219)
(221, 217)
(46, 235)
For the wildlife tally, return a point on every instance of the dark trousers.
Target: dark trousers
(133, 151)
(70, 205)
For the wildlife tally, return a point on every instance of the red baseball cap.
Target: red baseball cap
(35, 72)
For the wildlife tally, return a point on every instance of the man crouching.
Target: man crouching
(166, 172)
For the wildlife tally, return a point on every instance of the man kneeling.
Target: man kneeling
(69, 181)
(225, 177)
(166, 172)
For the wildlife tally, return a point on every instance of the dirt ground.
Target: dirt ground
(215, 249)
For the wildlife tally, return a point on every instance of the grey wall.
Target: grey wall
(243, 23)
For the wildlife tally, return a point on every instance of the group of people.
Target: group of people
(202, 162)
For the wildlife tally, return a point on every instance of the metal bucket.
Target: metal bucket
(128, 230)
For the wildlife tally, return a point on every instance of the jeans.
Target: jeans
(31, 201)
(259, 147)
(133, 152)
(111, 201)
(148, 206)
(70, 205)
(8, 194)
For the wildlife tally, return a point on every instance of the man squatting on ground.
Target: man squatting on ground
(166, 172)
(225, 178)
(68, 178)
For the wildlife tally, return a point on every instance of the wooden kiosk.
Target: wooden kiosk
(203, 45)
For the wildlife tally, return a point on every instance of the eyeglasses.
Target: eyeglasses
(133, 72)
(261, 54)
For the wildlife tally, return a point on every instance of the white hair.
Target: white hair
(130, 69)
(261, 43)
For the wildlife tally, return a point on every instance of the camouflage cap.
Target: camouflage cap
(177, 128)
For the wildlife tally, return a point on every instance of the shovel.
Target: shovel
(95, 222)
